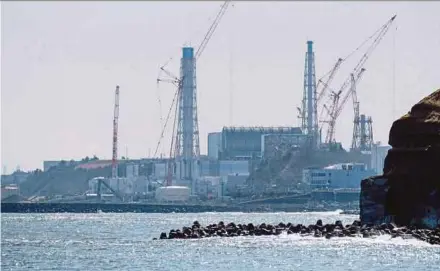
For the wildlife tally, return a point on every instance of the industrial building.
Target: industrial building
(274, 156)
(344, 175)
(243, 143)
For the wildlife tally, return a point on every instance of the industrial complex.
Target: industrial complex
(244, 162)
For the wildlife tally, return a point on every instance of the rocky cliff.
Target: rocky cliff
(408, 192)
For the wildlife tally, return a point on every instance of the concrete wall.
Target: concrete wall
(227, 167)
(214, 145)
(132, 170)
(160, 170)
(246, 141)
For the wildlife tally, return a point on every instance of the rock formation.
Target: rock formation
(408, 192)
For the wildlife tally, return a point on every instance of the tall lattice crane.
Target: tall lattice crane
(362, 139)
(178, 99)
(115, 135)
(356, 128)
(334, 109)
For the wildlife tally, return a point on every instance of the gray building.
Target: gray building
(242, 143)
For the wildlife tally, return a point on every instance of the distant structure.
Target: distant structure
(243, 143)
(309, 110)
(362, 126)
(340, 97)
(362, 133)
(343, 175)
(184, 158)
(115, 135)
(187, 145)
(378, 154)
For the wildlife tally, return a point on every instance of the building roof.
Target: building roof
(283, 129)
(95, 164)
(339, 166)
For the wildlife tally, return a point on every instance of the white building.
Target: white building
(378, 154)
(346, 175)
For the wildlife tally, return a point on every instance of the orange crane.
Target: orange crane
(115, 135)
(335, 109)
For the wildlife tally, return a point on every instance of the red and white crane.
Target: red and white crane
(115, 135)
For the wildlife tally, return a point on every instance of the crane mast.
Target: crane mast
(175, 147)
(115, 135)
(356, 131)
(335, 108)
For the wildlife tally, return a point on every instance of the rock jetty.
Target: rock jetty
(319, 229)
(408, 191)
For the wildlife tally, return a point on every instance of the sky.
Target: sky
(61, 61)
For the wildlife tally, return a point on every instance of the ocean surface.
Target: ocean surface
(109, 241)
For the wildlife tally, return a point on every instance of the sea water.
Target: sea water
(110, 241)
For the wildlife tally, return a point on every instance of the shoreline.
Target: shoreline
(78, 207)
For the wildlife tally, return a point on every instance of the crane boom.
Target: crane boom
(351, 91)
(336, 109)
(212, 29)
(330, 78)
(115, 135)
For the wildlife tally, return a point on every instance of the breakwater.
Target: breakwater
(110, 207)
(337, 229)
(93, 207)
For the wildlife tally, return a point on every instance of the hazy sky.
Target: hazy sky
(62, 60)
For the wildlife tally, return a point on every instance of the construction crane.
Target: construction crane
(356, 117)
(335, 109)
(362, 139)
(201, 48)
(325, 84)
(115, 135)
(212, 29)
(171, 78)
